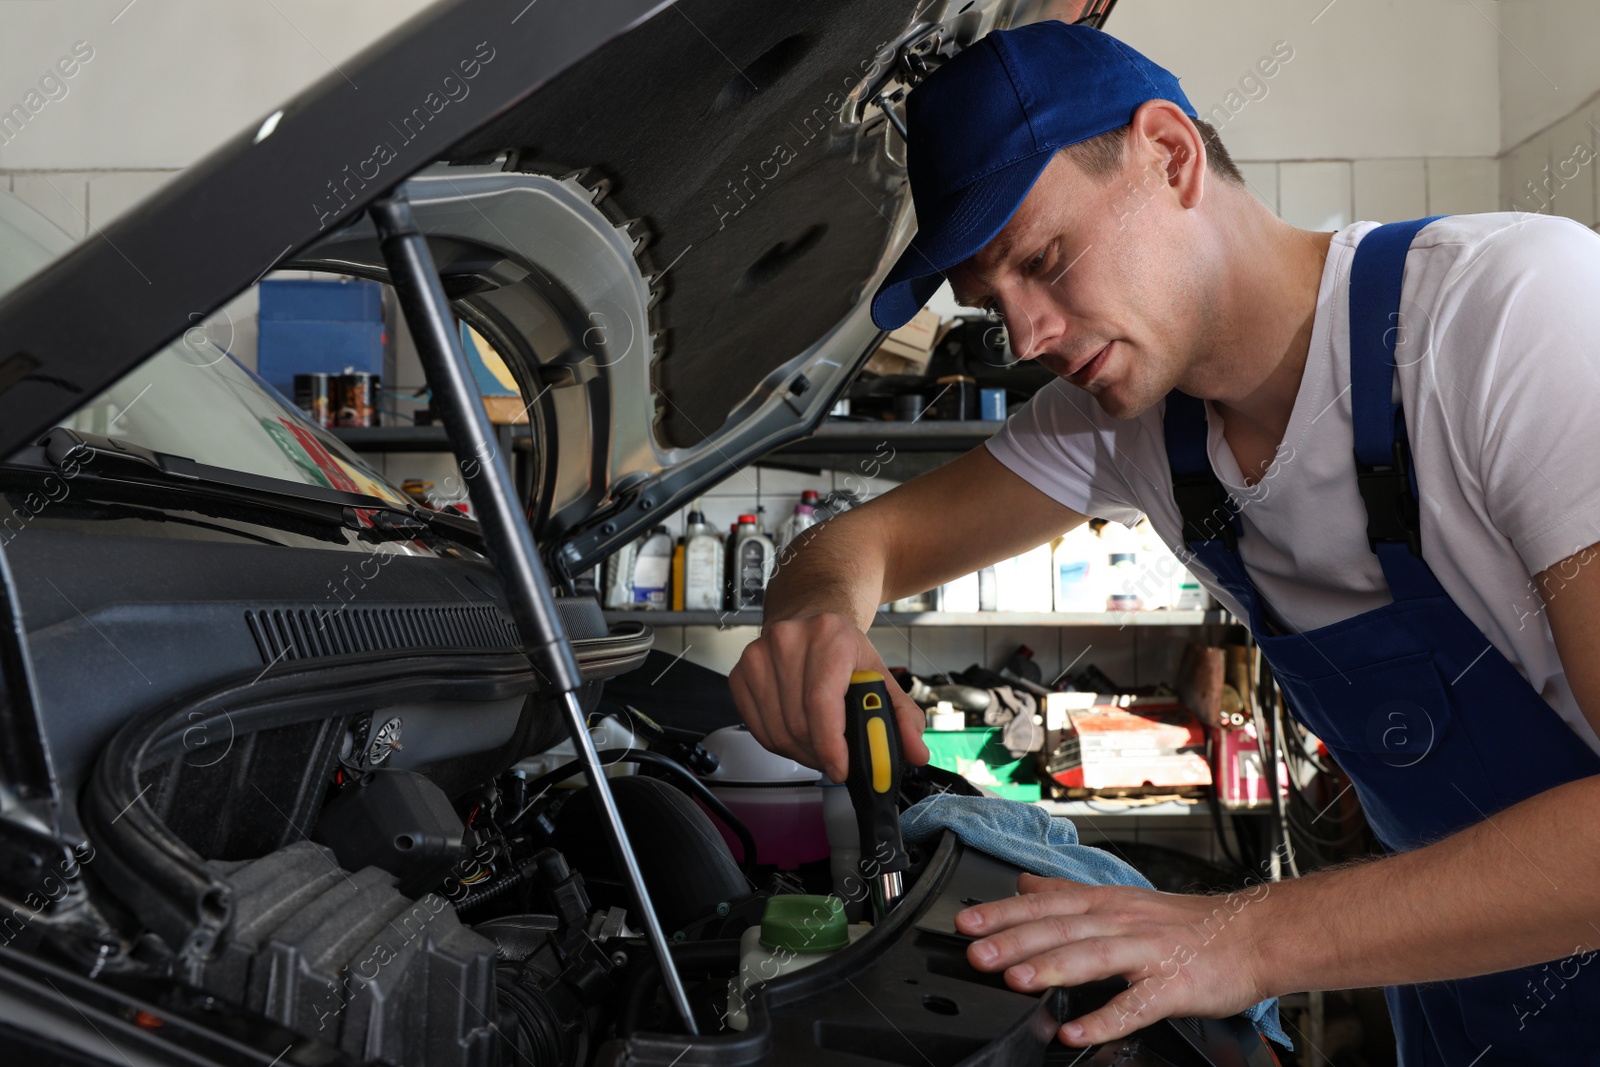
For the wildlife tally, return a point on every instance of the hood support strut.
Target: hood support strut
(505, 529)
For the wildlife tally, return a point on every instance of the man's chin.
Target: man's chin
(1119, 402)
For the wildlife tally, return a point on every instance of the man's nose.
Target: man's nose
(1029, 327)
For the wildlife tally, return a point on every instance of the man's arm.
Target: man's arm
(1514, 890)
(790, 682)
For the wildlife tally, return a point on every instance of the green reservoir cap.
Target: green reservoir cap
(802, 923)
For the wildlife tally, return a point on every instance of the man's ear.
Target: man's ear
(1166, 141)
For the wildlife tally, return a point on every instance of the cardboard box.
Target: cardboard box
(908, 349)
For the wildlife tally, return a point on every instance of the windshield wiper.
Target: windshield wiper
(71, 452)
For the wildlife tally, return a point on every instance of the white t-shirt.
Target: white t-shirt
(1502, 404)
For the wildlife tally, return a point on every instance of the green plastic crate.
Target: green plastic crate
(959, 750)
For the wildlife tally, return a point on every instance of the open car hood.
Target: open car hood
(668, 217)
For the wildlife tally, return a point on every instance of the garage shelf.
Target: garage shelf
(919, 436)
(944, 618)
(1094, 808)
(829, 437)
(410, 438)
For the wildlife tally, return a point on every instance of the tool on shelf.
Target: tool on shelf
(873, 737)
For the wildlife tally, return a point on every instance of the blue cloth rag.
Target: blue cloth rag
(1028, 837)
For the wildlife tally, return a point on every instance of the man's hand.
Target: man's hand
(1181, 954)
(790, 683)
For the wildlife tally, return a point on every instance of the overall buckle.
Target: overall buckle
(1207, 510)
(1393, 514)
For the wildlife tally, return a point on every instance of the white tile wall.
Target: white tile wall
(1572, 167)
(786, 483)
(1525, 178)
(1315, 196)
(942, 649)
(1390, 190)
(1114, 651)
(61, 197)
(717, 648)
(1321, 195)
(1463, 185)
(742, 482)
(1262, 180)
(893, 642)
(113, 192)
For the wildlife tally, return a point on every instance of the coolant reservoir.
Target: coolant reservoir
(773, 795)
(609, 733)
(796, 931)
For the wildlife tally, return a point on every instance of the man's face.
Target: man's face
(1094, 280)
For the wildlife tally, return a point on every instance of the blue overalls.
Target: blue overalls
(1433, 725)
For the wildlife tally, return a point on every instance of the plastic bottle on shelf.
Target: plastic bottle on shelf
(914, 604)
(1191, 595)
(1160, 570)
(652, 571)
(1117, 560)
(618, 575)
(1073, 568)
(804, 517)
(958, 594)
(678, 559)
(752, 562)
(703, 576)
(988, 590)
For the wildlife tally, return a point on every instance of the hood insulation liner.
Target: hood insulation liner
(712, 126)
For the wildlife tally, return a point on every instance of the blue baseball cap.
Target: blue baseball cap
(983, 127)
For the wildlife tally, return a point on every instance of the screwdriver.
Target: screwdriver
(873, 739)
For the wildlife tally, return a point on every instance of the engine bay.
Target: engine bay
(390, 860)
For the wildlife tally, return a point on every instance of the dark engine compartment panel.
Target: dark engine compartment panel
(303, 816)
(761, 208)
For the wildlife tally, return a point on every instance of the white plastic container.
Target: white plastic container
(1190, 594)
(608, 734)
(652, 572)
(761, 962)
(988, 590)
(1024, 582)
(946, 717)
(960, 594)
(916, 602)
(702, 564)
(1075, 572)
(618, 573)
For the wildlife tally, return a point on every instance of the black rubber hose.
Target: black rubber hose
(655, 759)
(691, 957)
(1269, 746)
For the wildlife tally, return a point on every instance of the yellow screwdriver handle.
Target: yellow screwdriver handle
(873, 736)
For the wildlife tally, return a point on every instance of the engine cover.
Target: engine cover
(344, 957)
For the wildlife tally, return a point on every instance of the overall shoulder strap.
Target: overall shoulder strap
(1383, 456)
(1208, 512)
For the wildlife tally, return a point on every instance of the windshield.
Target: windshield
(193, 398)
